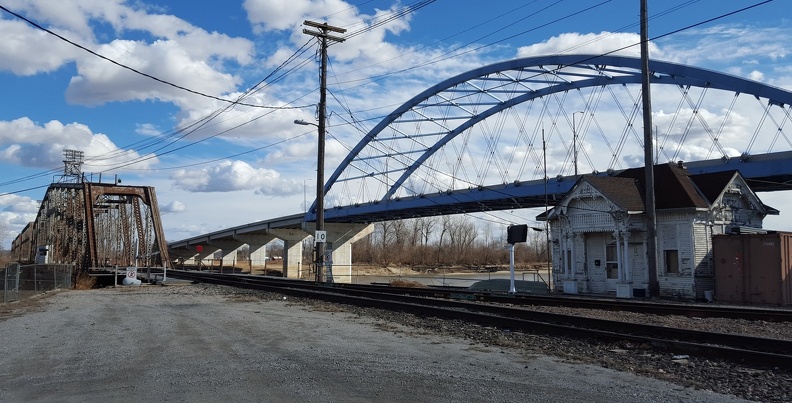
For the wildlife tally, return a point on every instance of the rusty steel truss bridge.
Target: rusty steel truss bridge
(92, 225)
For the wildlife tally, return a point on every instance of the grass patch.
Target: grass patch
(406, 283)
(84, 282)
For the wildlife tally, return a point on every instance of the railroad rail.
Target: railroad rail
(570, 301)
(737, 348)
(639, 306)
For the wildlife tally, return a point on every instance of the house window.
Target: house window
(611, 262)
(671, 261)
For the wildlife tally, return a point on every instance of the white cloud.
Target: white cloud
(729, 43)
(624, 44)
(173, 207)
(369, 47)
(18, 204)
(15, 213)
(178, 51)
(99, 81)
(18, 37)
(229, 176)
(269, 15)
(25, 143)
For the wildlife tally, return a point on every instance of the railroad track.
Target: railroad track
(736, 348)
(682, 309)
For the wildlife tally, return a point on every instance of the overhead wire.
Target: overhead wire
(257, 87)
(400, 13)
(136, 71)
(654, 38)
(182, 132)
(203, 121)
(606, 53)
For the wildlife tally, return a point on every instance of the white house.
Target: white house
(599, 230)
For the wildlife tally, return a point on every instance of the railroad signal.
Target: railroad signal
(516, 233)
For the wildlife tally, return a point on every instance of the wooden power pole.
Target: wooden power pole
(320, 235)
(651, 217)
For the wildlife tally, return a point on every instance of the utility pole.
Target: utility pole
(320, 235)
(550, 280)
(574, 140)
(651, 217)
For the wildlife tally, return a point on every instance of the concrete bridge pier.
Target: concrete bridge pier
(257, 248)
(182, 255)
(208, 250)
(292, 251)
(228, 251)
(340, 238)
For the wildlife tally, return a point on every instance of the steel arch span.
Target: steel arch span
(477, 140)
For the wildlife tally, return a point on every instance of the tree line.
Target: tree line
(444, 241)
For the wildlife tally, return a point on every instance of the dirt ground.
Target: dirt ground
(197, 343)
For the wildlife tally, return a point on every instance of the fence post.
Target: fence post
(19, 269)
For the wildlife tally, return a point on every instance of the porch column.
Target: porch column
(619, 256)
(564, 260)
(572, 258)
(627, 270)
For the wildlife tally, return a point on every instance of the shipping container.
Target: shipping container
(753, 268)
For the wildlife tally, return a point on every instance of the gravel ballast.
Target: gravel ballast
(205, 343)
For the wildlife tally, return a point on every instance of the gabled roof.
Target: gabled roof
(712, 184)
(624, 192)
(674, 187)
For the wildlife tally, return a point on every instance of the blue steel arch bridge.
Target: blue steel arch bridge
(517, 134)
(486, 139)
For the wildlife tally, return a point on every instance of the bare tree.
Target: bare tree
(537, 246)
(275, 248)
(462, 233)
(443, 240)
(243, 253)
(425, 227)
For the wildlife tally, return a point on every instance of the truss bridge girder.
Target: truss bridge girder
(95, 224)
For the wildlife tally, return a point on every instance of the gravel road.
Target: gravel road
(202, 343)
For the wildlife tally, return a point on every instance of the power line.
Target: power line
(556, 69)
(146, 74)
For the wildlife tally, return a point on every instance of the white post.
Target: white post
(572, 257)
(564, 260)
(627, 273)
(619, 256)
(512, 290)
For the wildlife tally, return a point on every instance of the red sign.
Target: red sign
(199, 248)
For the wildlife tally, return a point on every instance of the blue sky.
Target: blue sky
(56, 96)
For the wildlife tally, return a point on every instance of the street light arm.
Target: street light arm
(304, 123)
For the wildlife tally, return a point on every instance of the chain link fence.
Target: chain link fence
(20, 282)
